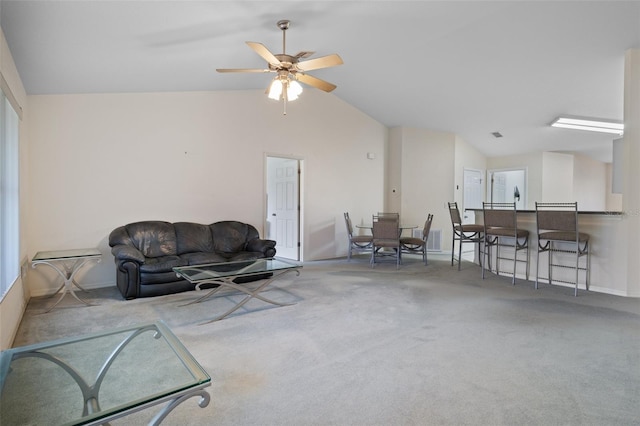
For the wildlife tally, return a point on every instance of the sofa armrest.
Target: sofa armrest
(266, 247)
(124, 253)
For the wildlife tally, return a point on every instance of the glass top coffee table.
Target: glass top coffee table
(224, 274)
(100, 377)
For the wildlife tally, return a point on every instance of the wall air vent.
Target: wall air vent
(497, 134)
(434, 243)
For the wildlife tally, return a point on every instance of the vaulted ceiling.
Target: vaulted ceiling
(467, 67)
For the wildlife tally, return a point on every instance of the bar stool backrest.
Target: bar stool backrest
(455, 214)
(557, 216)
(500, 215)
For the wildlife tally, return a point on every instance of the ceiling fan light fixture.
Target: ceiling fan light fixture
(284, 87)
(275, 89)
(589, 124)
(294, 89)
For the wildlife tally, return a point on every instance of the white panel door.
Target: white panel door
(472, 200)
(283, 206)
(472, 194)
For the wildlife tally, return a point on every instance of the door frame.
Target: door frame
(265, 207)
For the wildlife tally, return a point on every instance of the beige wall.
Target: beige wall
(557, 179)
(421, 176)
(103, 160)
(590, 183)
(613, 201)
(14, 302)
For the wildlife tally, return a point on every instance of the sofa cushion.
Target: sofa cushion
(202, 258)
(153, 238)
(229, 236)
(193, 238)
(155, 265)
(244, 255)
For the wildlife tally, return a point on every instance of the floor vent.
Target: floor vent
(434, 243)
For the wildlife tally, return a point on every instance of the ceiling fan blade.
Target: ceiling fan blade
(242, 70)
(322, 62)
(303, 54)
(261, 50)
(315, 82)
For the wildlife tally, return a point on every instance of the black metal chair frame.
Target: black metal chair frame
(467, 233)
(557, 226)
(500, 223)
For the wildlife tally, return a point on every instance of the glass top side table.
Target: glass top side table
(67, 263)
(99, 377)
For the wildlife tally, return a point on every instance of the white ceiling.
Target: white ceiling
(468, 67)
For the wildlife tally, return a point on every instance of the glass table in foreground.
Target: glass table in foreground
(223, 275)
(100, 377)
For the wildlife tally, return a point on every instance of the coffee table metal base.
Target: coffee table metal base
(227, 283)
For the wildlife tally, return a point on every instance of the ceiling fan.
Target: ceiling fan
(289, 69)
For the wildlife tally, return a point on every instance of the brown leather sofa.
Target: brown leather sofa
(145, 252)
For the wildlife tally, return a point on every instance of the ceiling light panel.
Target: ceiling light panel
(589, 124)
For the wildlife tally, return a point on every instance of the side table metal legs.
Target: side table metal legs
(67, 273)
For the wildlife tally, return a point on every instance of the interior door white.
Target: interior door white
(283, 206)
(472, 200)
(472, 194)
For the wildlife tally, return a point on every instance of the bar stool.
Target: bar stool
(501, 230)
(465, 233)
(557, 227)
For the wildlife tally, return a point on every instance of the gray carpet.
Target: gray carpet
(417, 346)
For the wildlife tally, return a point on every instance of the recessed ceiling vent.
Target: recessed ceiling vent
(497, 134)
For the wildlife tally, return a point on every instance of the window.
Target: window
(9, 196)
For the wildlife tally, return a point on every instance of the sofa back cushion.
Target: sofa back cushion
(153, 238)
(193, 238)
(231, 236)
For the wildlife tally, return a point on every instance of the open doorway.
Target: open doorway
(282, 223)
(508, 186)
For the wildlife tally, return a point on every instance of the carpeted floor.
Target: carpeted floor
(415, 346)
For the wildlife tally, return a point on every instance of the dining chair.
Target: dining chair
(386, 235)
(357, 243)
(414, 245)
(388, 215)
(464, 233)
(557, 228)
(501, 230)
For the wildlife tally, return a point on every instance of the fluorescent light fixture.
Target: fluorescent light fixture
(589, 124)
